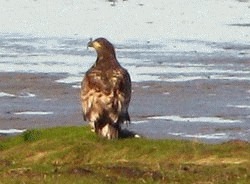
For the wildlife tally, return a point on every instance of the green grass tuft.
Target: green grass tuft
(32, 135)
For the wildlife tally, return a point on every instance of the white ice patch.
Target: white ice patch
(76, 86)
(195, 119)
(33, 113)
(22, 95)
(12, 131)
(139, 121)
(70, 79)
(179, 73)
(240, 106)
(166, 93)
(202, 136)
(184, 78)
(27, 95)
(225, 77)
(3, 94)
(208, 136)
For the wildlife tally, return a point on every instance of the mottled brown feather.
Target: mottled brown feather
(106, 90)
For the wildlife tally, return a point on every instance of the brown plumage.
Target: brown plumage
(106, 92)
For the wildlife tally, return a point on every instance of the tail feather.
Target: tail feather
(109, 131)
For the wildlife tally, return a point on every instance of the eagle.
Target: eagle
(106, 92)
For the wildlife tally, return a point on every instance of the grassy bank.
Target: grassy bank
(76, 155)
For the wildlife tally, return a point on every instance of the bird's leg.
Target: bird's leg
(92, 126)
(110, 131)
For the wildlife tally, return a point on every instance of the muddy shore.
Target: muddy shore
(31, 100)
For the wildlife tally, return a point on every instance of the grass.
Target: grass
(76, 155)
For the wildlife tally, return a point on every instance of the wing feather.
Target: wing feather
(106, 96)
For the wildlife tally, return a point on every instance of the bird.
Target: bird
(106, 92)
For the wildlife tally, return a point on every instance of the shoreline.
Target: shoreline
(183, 110)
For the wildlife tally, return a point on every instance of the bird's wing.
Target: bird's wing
(123, 93)
(94, 93)
(106, 97)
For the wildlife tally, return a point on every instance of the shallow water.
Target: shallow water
(145, 61)
(228, 70)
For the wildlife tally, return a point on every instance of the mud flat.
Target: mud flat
(207, 110)
(36, 100)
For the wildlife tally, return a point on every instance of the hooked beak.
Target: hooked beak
(94, 44)
(90, 43)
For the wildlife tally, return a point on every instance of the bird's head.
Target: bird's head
(102, 46)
